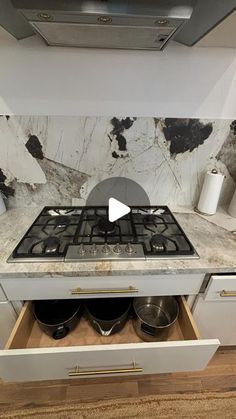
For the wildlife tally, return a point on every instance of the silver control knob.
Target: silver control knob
(129, 248)
(81, 249)
(117, 248)
(94, 249)
(106, 249)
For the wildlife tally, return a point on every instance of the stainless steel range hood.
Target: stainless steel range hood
(134, 24)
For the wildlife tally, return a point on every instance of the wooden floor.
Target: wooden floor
(220, 375)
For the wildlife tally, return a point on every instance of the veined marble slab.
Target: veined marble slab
(167, 157)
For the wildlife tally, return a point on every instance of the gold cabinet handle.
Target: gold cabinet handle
(83, 291)
(225, 293)
(78, 373)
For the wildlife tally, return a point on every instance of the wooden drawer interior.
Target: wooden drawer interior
(27, 334)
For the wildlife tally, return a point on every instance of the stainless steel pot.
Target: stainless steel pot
(108, 315)
(154, 317)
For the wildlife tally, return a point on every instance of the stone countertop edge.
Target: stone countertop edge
(215, 245)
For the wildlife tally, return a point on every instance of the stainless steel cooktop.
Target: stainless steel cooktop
(73, 234)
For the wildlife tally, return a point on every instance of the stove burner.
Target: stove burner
(56, 225)
(155, 223)
(61, 221)
(51, 244)
(150, 219)
(106, 227)
(158, 243)
(60, 211)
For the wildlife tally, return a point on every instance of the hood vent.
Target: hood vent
(146, 24)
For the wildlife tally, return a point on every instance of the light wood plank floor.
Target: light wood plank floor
(220, 375)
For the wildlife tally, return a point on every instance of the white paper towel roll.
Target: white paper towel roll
(210, 193)
(232, 206)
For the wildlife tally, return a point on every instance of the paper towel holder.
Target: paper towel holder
(199, 208)
(215, 172)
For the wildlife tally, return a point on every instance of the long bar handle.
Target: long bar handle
(83, 291)
(225, 293)
(78, 373)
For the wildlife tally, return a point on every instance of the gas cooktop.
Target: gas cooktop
(85, 234)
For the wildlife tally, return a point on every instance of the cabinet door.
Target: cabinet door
(216, 318)
(7, 320)
(215, 310)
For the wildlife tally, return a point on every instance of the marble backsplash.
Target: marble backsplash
(48, 160)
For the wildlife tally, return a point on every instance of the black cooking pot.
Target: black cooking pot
(108, 315)
(57, 317)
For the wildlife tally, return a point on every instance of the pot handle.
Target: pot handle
(149, 330)
(60, 332)
(105, 332)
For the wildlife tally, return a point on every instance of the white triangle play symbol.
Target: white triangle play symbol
(117, 209)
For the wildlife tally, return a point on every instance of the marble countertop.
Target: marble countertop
(215, 245)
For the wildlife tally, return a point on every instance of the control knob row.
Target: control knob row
(106, 249)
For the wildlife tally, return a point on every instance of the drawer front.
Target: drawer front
(221, 288)
(110, 286)
(2, 295)
(92, 360)
(147, 358)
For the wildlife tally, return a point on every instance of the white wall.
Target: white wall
(178, 82)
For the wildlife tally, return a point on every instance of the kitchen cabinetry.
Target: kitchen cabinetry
(31, 355)
(215, 310)
(212, 24)
(2, 295)
(223, 35)
(7, 320)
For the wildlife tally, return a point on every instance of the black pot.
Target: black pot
(108, 315)
(57, 317)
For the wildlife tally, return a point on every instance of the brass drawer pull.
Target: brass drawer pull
(83, 291)
(78, 373)
(225, 293)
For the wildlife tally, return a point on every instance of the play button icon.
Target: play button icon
(116, 209)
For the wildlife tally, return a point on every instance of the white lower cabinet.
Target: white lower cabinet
(215, 310)
(31, 355)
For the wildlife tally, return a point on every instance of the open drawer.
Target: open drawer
(32, 355)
